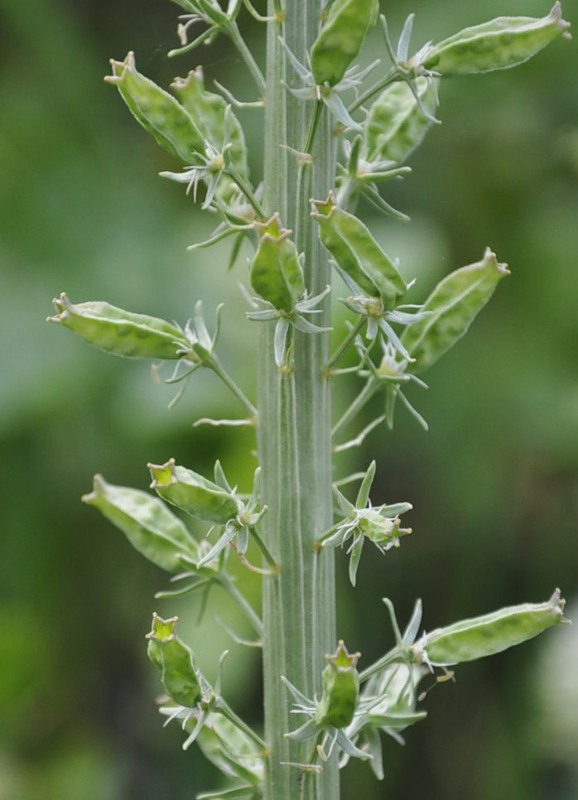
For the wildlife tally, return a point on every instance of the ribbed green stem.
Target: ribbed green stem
(294, 429)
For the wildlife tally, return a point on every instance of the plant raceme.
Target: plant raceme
(289, 515)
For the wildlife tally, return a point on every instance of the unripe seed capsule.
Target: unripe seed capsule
(193, 493)
(157, 111)
(395, 124)
(499, 44)
(120, 332)
(276, 274)
(232, 751)
(484, 636)
(341, 38)
(451, 308)
(340, 689)
(357, 253)
(209, 112)
(146, 522)
(175, 661)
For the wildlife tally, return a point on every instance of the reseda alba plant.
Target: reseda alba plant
(333, 133)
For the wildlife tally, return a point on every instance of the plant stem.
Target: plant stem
(294, 437)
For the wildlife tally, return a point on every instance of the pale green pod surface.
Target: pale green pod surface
(157, 111)
(499, 44)
(276, 274)
(120, 332)
(357, 254)
(451, 307)
(484, 636)
(341, 38)
(175, 662)
(395, 124)
(378, 529)
(146, 522)
(209, 112)
(193, 493)
(340, 693)
(230, 749)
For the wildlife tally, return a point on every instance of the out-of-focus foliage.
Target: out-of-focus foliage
(494, 483)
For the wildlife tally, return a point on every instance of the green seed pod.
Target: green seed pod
(502, 43)
(147, 523)
(340, 690)
(341, 38)
(276, 273)
(451, 307)
(357, 254)
(484, 636)
(157, 111)
(379, 529)
(120, 332)
(175, 661)
(216, 124)
(231, 750)
(193, 493)
(395, 124)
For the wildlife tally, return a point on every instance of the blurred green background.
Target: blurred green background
(494, 482)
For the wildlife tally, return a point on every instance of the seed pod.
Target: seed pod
(451, 307)
(175, 661)
(276, 274)
(340, 689)
(382, 530)
(341, 38)
(213, 118)
(489, 634)
(357, 254)
(231, 750)
(147, 523)
(499, 44)
(157, 111)
(120, 332)
(193, 493)
(395, 124)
